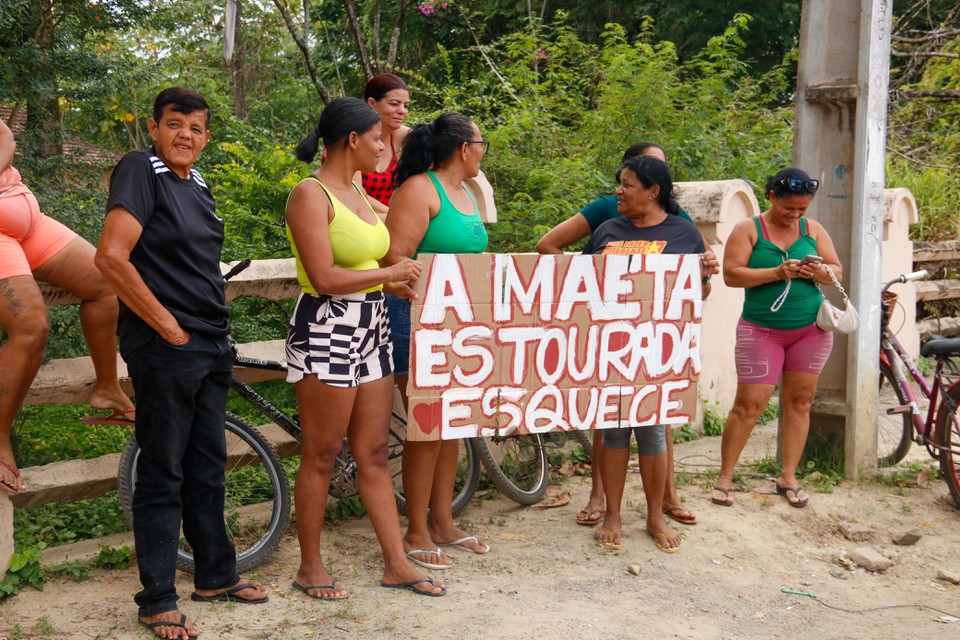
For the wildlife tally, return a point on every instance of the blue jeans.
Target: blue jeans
(398, 310)
(181, 396)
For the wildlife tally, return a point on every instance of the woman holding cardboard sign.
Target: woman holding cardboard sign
(569, 232)
(338, 347)
(433, 212)
(645, 200)
(779, 257)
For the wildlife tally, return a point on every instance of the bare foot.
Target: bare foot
(170, 624)
(111, 397)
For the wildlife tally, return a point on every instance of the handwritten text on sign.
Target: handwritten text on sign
(517, 343)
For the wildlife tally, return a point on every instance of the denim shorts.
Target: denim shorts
(651, 440)
(398, 310)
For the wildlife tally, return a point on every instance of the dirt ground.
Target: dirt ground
(545, 578)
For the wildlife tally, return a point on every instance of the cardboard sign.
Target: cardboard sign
(504, 344)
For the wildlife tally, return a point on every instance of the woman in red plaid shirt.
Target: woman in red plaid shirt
(389, 95)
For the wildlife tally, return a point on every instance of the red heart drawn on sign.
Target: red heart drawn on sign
(428, 416)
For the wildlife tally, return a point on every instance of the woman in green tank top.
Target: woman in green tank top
(777, 334)
(432, 212)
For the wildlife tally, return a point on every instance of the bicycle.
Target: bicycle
(900, 421)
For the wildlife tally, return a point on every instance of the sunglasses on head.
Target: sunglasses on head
(798, 185)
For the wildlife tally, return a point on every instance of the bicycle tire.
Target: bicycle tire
(894, 431)
(517, 465)
(468, 468)
(948, 438)
(255, 481)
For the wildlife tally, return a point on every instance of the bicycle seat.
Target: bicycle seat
(940, 347)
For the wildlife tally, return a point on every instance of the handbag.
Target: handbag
(830, 318)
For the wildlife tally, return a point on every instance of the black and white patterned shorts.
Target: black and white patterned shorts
(343, 340)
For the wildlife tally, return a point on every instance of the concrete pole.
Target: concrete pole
(840, 135)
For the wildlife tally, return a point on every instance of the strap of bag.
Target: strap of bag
(783, 297)
(836, 283)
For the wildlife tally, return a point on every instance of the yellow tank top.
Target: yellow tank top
(357, 245)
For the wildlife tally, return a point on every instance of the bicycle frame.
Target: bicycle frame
(244, 390)
(893, 353)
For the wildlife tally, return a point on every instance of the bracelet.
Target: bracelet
(704, 280)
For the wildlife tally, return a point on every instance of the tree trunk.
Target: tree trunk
(237, 69)
(358, 37)
(305, 52)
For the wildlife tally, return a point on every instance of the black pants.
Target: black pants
(181, 404)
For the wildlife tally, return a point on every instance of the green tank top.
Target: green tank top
(357, 245)
(451, 231)
(803, 301)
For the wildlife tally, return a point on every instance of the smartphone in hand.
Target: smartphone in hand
(811, 259)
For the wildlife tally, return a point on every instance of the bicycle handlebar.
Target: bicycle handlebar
(905, 277)
(237, 268)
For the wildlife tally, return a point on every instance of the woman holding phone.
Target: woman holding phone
(778, 257)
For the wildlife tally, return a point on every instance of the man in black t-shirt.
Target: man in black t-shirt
(160, 249)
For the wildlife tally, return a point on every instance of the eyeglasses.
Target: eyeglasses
(798, 185)
(485, 143)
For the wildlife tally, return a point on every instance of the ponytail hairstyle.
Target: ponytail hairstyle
(339, 119)
(380, 85)
(428, 146)
(653, 171)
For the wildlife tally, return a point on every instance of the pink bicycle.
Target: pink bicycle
(900, 420)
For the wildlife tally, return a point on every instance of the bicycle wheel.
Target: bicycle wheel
(257, 503)
(468, 468)
(948, 437)
(518, 465)
(894, 430)
(585, 438)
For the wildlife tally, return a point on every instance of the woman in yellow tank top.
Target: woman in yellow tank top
(338, 343)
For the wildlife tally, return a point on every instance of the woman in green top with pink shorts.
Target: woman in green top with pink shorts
(777, 334)
(432, 212)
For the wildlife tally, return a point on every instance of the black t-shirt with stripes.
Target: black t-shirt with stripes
(178, 253)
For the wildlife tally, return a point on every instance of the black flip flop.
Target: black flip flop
(726, 502)
(306, 589)
(796, 494)
(227, 596)
(163, 623)
(419, 592)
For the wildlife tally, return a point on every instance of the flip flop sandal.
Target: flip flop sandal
(589, 518)
(459, 544)
(420, 592)
(120, 416)
(12, 489)
(725, 502)
(783, 491)
(428, 565)
(228, 595)
(657, 537)
(153, 626)
(608, 545)
(680, 514)
(306, 589)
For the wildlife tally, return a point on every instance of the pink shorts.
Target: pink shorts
(762, 353)
(27, 237)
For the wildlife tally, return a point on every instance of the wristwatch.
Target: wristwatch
(705, 280)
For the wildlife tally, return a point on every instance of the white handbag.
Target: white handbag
(830, 318)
